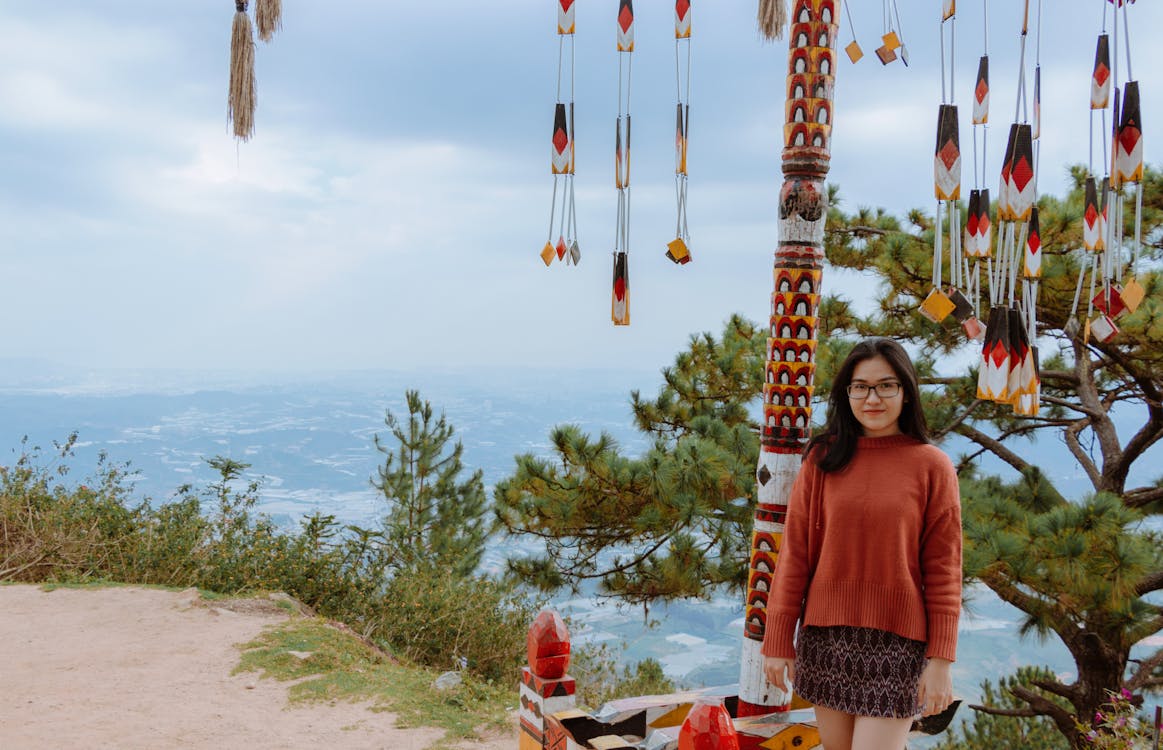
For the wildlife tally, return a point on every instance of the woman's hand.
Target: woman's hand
(935, 692)
(774, 667)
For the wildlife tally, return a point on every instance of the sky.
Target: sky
(390, 209)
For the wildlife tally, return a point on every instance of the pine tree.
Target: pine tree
(433, 518)
(993, 732)
(676, 521)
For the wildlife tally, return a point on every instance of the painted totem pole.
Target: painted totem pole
(791, 346)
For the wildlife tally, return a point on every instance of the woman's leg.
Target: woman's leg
(835, 728)
(877, 733)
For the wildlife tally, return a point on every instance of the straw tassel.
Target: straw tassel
(241, 102)
(268, 17)
(772, 18)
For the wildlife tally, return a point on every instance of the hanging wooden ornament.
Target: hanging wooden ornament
(1100, 78)
(947, 157)
(978, 231)
(620, 295)
(678, 249)
(993, 377)
(1103, 329)
(937, 305)
(1032, 257)
(1129, 137)
(1018, 348)
(1021, 174)
(1005, 209)
(562, 211)
(268, 17)
(1091, 218)
(1133, 294)
(981, 92)
(974, 329)
(1109, 301)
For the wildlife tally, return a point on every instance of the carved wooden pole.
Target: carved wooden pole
(791, 346)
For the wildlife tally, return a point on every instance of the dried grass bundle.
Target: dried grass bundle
(268, 17)
(241, 102)
(772, 18)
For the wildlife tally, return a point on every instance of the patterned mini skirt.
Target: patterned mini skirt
(860, 671)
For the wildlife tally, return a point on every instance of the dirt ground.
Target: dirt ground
(139, 668)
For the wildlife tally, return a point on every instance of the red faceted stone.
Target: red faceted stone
(548, 645)
(708, 726)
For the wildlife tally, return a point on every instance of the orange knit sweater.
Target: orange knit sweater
(875, 545)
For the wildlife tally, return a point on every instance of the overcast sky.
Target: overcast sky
(390, 209)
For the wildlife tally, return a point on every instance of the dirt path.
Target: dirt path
(139, 668)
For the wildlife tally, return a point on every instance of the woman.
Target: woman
(870, 564)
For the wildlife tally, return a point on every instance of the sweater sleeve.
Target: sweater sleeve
(941, 562)
(792, 568)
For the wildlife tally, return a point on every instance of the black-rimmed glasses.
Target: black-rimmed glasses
(859, 391)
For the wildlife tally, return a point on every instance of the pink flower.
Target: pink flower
(1098, 716)
(1126, 693)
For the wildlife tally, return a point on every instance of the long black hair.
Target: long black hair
(838, 438)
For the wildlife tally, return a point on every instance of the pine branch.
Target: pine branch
(1065, 377)
(1143, 677)
(1024, 713)
(1142, 497)
(1075, 447)
(958, 420)
(1069, 692)
(1100, 421)
(1153, 582)
(1062, 718)
(995, 446)
(1068, 404)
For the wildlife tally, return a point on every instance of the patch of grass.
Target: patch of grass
(101, 583)
(341, 667)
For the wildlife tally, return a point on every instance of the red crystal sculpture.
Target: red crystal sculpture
(708, 726)
(548, 646)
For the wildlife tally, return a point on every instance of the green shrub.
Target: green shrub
(214, 539)
(447, 622)
(595, 668)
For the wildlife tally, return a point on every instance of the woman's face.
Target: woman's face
(878, 415)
